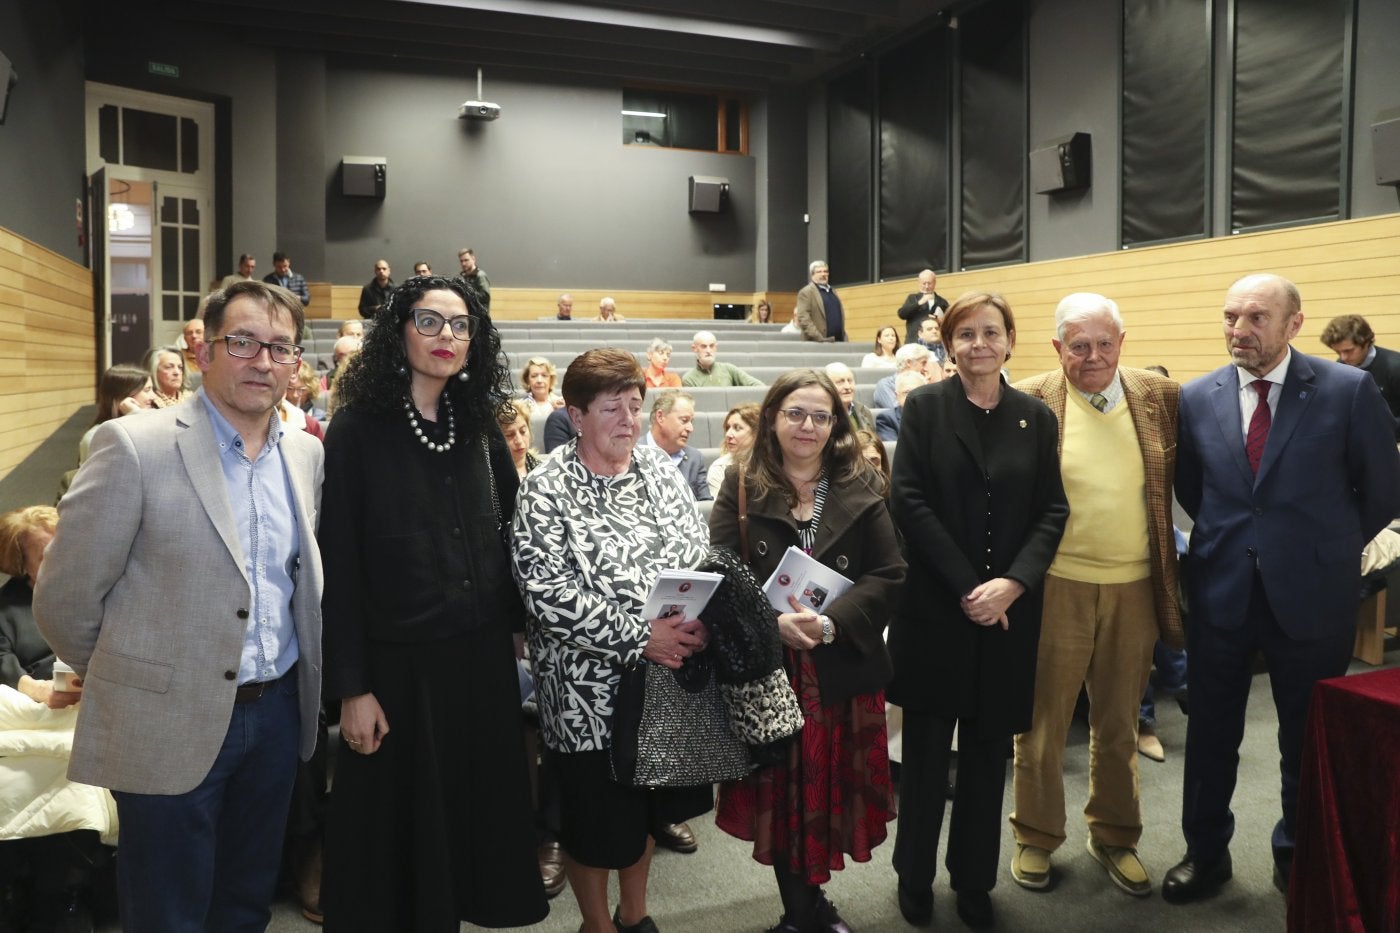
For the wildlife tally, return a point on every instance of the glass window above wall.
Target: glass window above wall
(711, 122)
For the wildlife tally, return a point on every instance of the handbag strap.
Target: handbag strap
(743, 515)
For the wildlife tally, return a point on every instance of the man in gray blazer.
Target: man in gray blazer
(184, 586)
(672, 422)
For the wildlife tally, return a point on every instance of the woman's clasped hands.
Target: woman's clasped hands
(674, 639)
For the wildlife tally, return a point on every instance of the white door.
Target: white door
(158, 156)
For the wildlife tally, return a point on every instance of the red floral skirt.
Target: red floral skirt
(830, 799)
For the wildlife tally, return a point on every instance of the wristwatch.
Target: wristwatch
(828, 630)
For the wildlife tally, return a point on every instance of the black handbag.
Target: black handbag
(671, 728)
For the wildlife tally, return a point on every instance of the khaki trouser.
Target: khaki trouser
(1101, 636)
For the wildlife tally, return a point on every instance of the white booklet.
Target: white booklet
(813, 583)
(682, 593)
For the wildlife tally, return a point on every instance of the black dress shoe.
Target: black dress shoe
(975, 909)
(825, 919)
(675, 836)
(1193, 878)
(916, 906)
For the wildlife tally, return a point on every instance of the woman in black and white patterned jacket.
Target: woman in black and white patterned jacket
(594, 526)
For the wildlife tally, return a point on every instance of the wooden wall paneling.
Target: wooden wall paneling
(46, 352)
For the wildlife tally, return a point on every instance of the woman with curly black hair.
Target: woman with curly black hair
(430, 818)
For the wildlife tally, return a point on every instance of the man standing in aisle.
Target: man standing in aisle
(819, 315)
(1287, 465)
(922, 305)
(184, 586)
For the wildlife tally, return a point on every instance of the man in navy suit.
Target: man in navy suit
(1287, 464)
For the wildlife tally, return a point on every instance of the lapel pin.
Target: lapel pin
(1023, 422)
(1303, 394)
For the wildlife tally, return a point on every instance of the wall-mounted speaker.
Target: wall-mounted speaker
(1385, 148)
(363, 176)
(1061, 164)
(709, 194)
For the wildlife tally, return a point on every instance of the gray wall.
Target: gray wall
(547, 195)
(1074, 81)
(1075, 48)
(778, 133)
(41, 143)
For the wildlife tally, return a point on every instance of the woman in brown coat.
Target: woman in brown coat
(807, 486)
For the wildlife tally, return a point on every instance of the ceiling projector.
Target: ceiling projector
(479, 109)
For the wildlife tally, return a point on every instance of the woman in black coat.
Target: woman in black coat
(977, 495)
(430, 818)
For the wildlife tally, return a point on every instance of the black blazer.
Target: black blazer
(915, 313)
(857, 539)
(973, 505)
(1385, 370)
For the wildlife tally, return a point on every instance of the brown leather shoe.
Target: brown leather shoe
(552, 868)
(309, 886)
(675, 836)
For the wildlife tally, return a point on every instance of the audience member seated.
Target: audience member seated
(246, 266)
(845, 382)
(740, 428)
(345, 347)
(539, 377)
(930, 337)
(166, 366)
(558, 429)
(192, 336)
(304, 391)
(672, 421)
(48, 825)
(708, 371)
(121, 391)
(607, 312)
(283, 275)
(887, 421)
(352, 329)
(658, 355)
(566, 308)
(292, 413)
(421, 267)
(762, 313)
(514, 419)
(886, 344)
(911, 356)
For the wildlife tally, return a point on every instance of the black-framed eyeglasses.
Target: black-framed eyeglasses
(796, 416)
(246, 348)
(429, 323)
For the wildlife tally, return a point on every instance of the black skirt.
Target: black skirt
(436, 827)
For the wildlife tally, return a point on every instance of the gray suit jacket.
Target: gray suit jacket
(143, 591)
(692, 467)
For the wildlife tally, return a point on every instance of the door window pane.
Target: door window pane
(108, 134)
(149, 139)
(169, 259)
(189, 146)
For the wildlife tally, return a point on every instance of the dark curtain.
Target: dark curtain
(848, 196)
(993, 121)
(913, 81)
(1166, 119)
(1288, 110)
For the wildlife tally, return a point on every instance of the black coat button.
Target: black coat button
(243, 613)
(1250, 552)
(230, 675)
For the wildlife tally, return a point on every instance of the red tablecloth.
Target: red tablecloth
(1346, 869)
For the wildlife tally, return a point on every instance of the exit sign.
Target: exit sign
(162, 69)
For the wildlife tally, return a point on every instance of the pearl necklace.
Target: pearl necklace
(423, 438)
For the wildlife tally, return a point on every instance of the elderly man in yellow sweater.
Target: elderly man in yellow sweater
(1110, 592)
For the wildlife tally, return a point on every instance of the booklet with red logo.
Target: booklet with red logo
(681, 593)
(813, 583)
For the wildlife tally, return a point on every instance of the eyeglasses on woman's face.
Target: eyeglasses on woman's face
(797, 416)
(429, 323)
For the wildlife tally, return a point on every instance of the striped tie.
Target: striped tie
(1258, 426)
(1099, 401)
